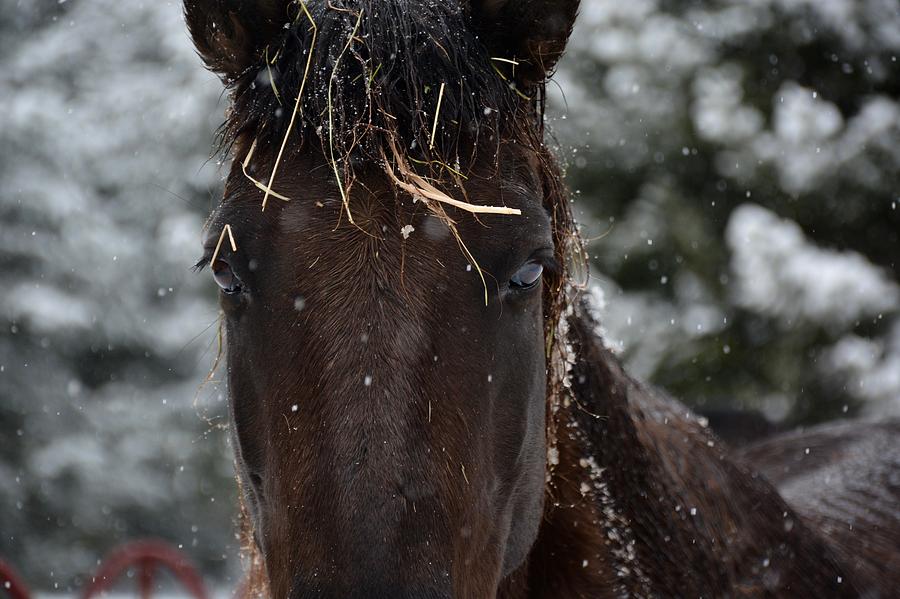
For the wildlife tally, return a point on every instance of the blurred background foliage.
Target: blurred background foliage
(105, 128)
(735, 166)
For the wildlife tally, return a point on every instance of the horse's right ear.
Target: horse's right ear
(231, 35)
(533, 32)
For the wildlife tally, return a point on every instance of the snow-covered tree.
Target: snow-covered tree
(106, 123)
(742, 160)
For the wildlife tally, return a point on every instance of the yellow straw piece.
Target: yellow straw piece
(437, 113)
(297, 108)
(258, 184)
(334, 164)
(419, 187)
(225, 229)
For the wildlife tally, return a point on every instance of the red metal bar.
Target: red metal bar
(147, 557)
(10, 583)
(145, 578)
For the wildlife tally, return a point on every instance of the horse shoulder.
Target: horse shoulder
(740, 522)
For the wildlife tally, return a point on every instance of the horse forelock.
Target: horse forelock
(372, 73)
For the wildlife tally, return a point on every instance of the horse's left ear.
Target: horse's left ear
(532, 32)
(231, 35)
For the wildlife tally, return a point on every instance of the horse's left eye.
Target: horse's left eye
(225, 277)
(527, 277)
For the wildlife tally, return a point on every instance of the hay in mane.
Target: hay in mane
(372, 75)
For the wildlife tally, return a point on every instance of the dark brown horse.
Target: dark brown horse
(421, 406)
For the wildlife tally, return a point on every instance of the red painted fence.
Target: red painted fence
(145, 558)
(10, 583)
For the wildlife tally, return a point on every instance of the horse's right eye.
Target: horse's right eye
(527, 277)
(225, 277)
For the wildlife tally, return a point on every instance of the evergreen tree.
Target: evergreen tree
(106, 127)
(742, 159)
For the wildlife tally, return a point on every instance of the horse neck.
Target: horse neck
(596, 513)
(644, 499)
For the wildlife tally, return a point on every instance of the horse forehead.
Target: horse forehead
(391, 234)
(379, 210)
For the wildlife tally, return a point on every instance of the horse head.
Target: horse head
(392, 252)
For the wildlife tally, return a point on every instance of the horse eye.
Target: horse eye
(527, 277)
(225, 277)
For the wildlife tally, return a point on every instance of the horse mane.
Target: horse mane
(661, 491)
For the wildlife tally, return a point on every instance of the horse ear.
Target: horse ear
(533, 32)
(231, 35)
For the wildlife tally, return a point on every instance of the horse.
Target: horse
(420, 402)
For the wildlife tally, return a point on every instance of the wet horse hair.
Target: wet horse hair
(358, 98)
